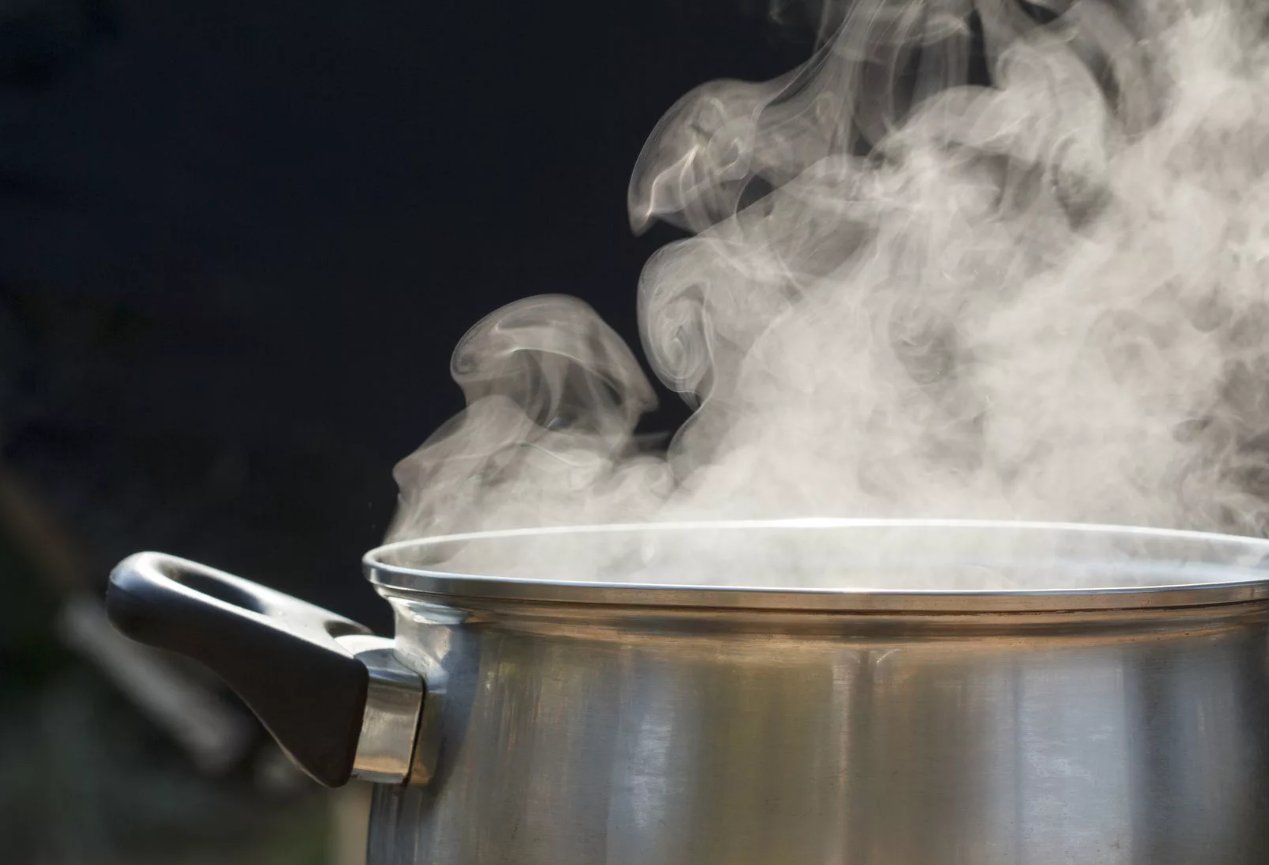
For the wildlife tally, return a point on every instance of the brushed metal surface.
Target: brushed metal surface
(574, 723)
(575, 736)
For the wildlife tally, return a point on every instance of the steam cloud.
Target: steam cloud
(1042, 298)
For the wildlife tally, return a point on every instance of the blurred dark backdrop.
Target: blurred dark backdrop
(238, 241)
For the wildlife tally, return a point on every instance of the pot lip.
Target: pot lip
(1244, 571)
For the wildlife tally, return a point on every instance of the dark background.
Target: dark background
(238, 240)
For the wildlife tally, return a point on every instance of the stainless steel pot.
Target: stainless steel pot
(708, 720)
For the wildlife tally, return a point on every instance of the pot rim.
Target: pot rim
(1240, 574)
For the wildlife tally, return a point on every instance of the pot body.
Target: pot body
(565, 735)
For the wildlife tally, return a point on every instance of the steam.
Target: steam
(905, 294)
(553, 397)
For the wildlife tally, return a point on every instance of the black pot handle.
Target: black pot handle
(306, 672)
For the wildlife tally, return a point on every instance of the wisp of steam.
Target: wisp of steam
(974, 259)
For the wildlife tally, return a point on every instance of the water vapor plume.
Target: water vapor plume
(974, 258)
(553, 395)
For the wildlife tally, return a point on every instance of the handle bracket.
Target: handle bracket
(390, 721)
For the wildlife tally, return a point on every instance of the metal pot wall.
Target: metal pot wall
(559, 722)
